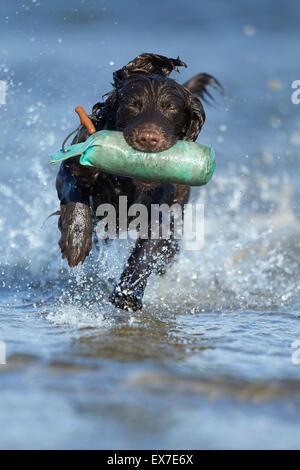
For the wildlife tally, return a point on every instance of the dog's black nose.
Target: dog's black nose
(148, 139)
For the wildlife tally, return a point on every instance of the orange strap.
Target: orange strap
(85, 120)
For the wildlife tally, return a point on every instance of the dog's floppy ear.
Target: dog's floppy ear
(148, 64)
(105, 113)
(197, 119)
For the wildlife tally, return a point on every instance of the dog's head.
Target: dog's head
(152, 110)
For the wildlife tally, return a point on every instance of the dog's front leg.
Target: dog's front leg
(146, 257)
(129, 291)
(75, 222)
(151, 254)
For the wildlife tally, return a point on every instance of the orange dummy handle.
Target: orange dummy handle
(85, 120)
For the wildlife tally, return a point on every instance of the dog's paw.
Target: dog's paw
(76, 232)
(126, 298)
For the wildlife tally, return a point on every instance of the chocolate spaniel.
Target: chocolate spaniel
(153, 112)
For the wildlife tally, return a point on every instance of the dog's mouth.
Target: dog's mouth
(149, 141)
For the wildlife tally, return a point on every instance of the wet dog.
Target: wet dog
(153, 112)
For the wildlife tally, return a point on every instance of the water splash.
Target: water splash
(249, 260)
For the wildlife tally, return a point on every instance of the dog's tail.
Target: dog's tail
(198, 86)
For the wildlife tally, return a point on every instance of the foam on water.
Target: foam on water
(72, 315)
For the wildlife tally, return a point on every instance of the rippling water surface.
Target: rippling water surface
(208, 362)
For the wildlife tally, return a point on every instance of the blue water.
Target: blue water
(208, 362)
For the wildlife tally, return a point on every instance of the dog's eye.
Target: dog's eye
(170, 107)
(134, 106)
